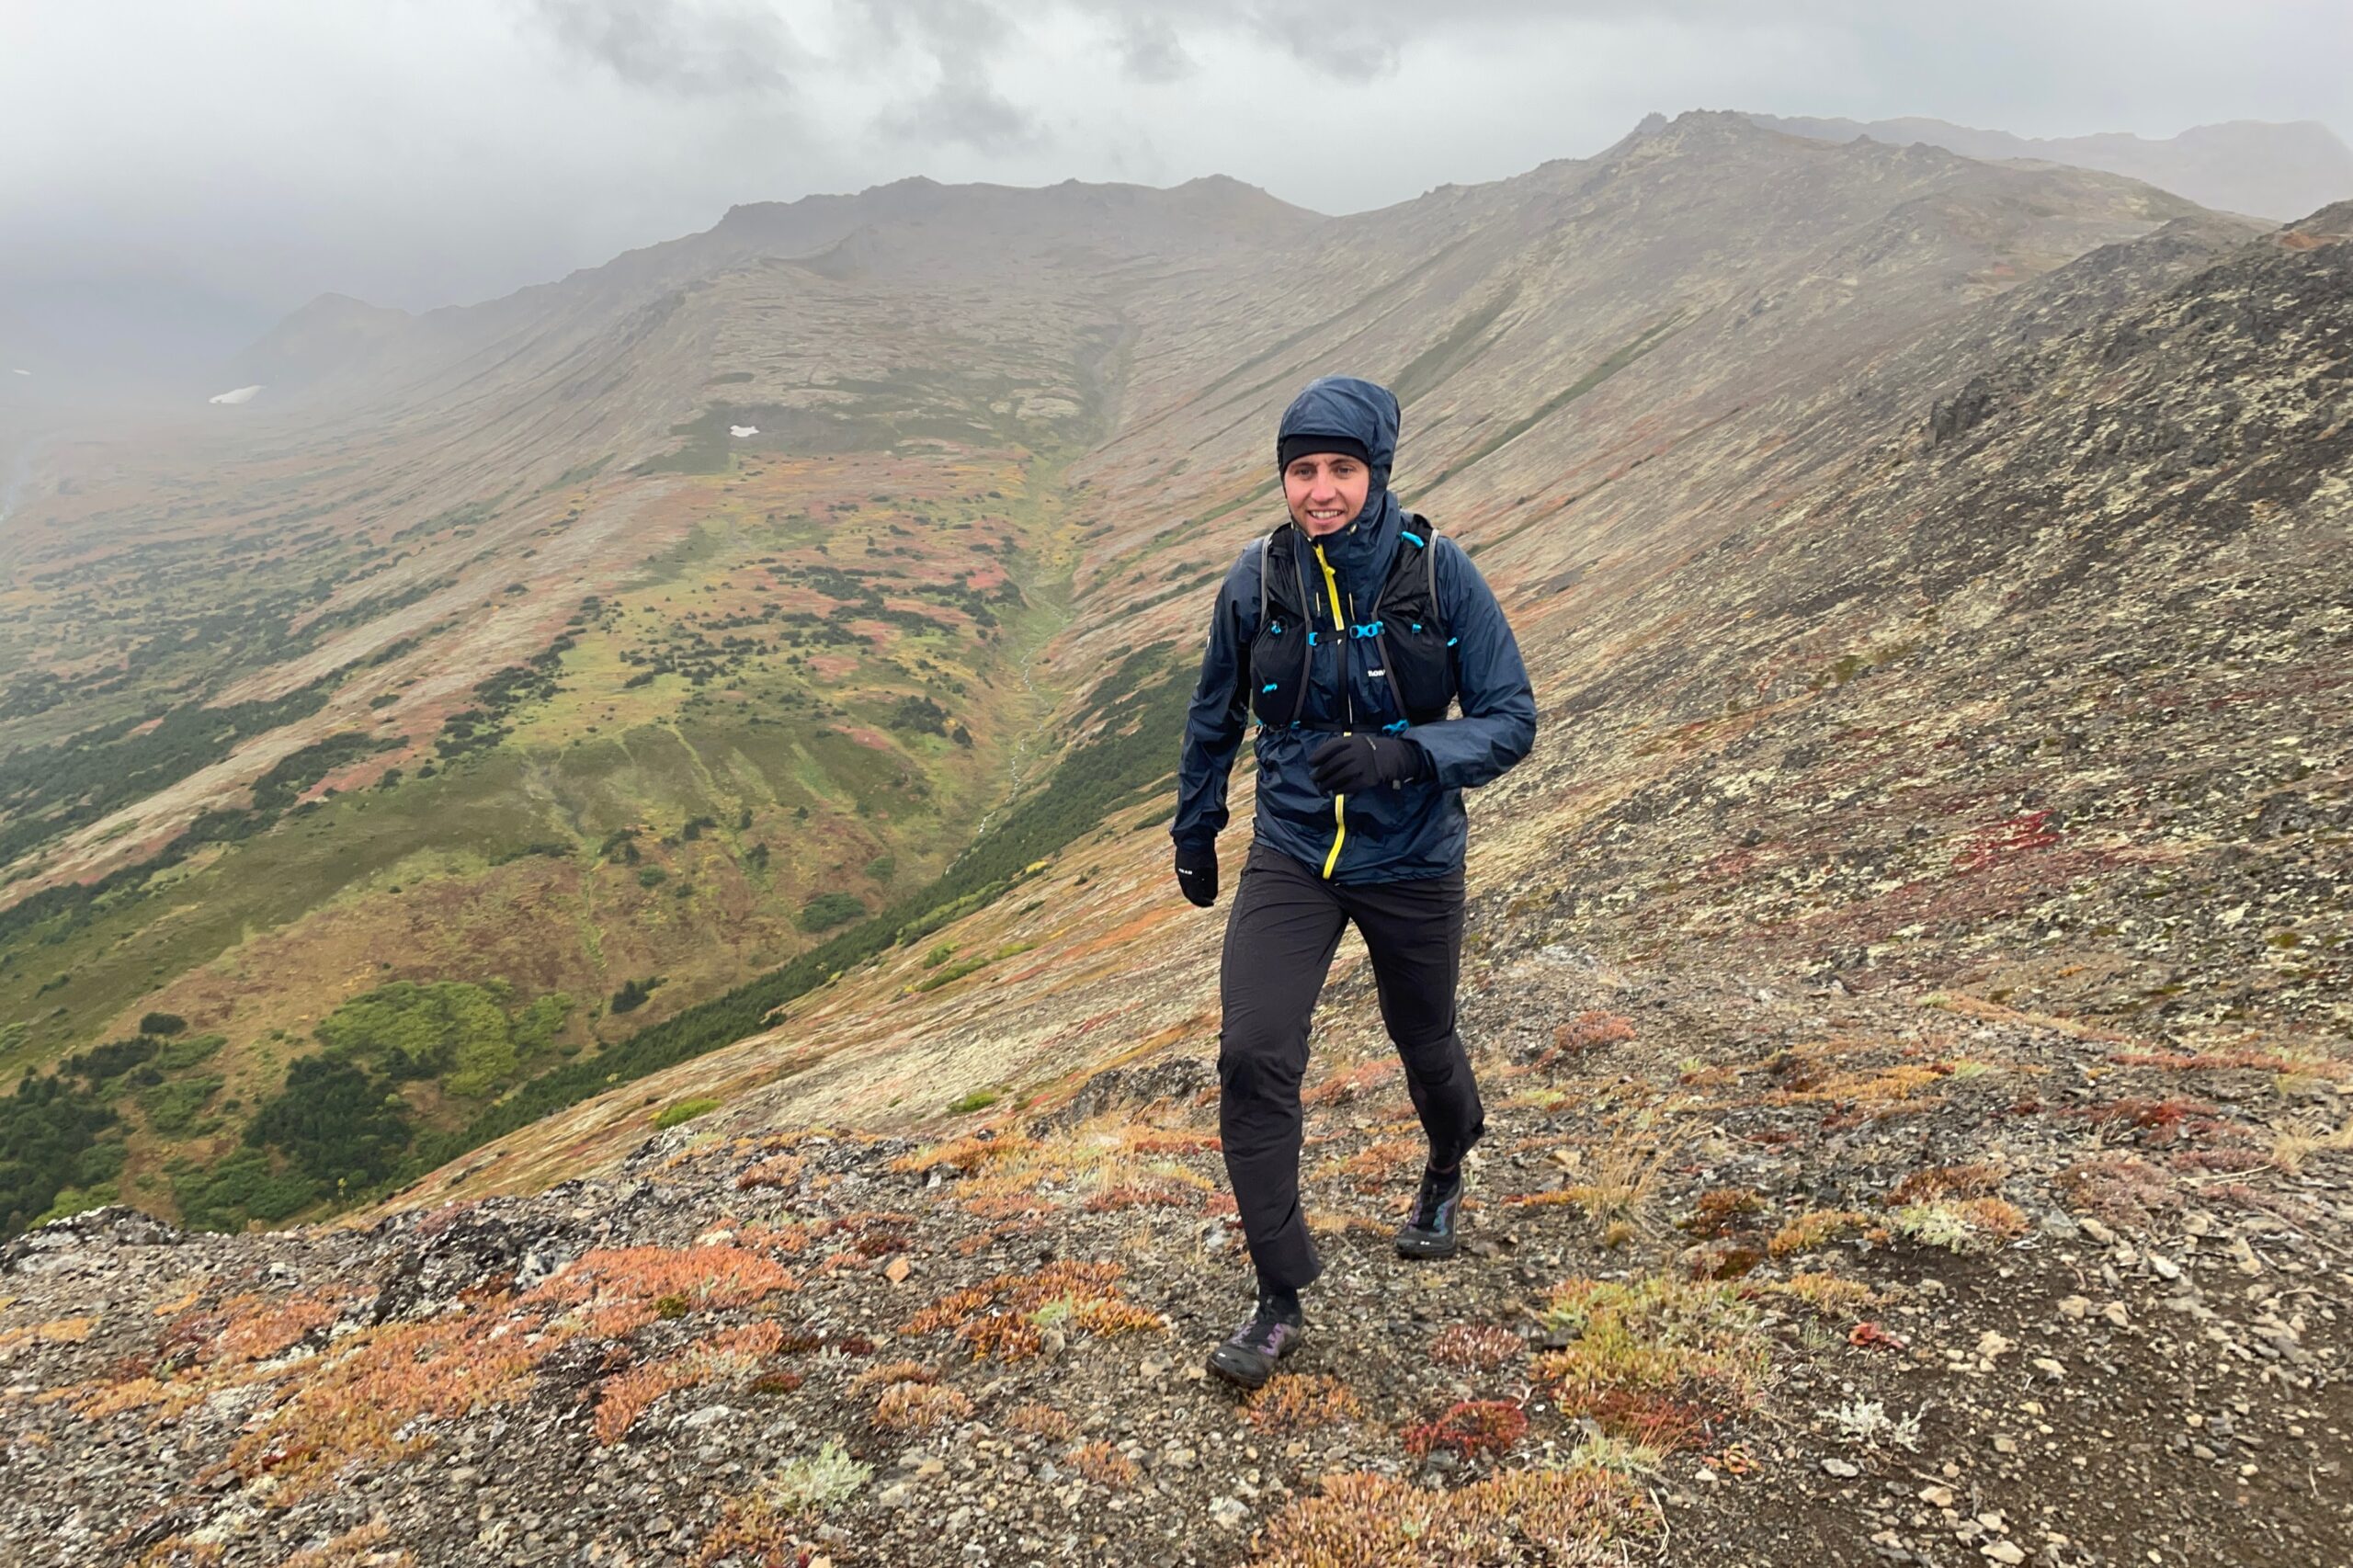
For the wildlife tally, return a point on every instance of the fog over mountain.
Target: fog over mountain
(443, 152)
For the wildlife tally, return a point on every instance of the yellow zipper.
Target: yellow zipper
(1339, 636)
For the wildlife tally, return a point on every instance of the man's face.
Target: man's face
(1326, 490)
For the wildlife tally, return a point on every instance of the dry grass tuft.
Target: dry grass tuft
(777, 1171)
(1972, 1224)
(1615, 1180)
(1007, 1317)
(920, 1407)
(614, 1290)
(1818, 1228)
(965, 1155)
(1828, 1294)
(1660, 1361)
(2291, 1150)
(1476, 1347)
(1104, 1465)
(1035, 1420)
(730, 1352)
(1588, 1030)
(1980, 1179)
(1300, 1403)
(369, 1546)
(1562, 1517)
(1720, 1211)
(887, 1374)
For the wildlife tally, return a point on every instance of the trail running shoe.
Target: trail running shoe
(1248, 1358)
(1428, 1232)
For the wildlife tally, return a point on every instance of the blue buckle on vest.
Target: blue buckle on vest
(1417, 626)
(1452, 641)
(1274, 629)
(1370, 628)
(1270, 686)
(1407, 533)
(1394, 727)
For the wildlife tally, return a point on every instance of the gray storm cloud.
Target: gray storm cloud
(240, 159)
(681, 46)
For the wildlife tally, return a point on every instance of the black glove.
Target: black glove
(1349, 765)
(1197, 874)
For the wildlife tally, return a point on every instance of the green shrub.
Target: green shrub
(828, 909)
(633, 994)
(979, 1099)
(162, 1024)
(241, 1187)
(172, 1105)
(334, 1122)
(671, 1115)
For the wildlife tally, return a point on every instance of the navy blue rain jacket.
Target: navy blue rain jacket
(1395, 833)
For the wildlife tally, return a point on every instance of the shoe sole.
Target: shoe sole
(1414, 1247)
(1238, 1379)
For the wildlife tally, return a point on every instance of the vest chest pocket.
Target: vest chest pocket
(1279, 660)
(1419, 660)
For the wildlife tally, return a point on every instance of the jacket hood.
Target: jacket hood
(1366, 412)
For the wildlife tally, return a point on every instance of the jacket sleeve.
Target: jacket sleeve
(1221, 708)
(1498, 722)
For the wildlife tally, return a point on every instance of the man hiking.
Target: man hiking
(1346, 633)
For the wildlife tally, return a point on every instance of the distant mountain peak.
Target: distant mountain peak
(2258, 167)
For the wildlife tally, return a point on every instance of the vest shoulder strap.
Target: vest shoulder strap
(1262, 554)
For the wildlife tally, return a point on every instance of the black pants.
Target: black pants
(1285, 926)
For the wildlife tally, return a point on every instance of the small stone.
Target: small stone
(1937, 1497)
(898, 1268)
(1841, 1469)
(2004, 1444)
(2004, 1551)
(2050, 1367)
(2115, 1313)
(659, 1525)
(2076, 1308)
(2058, 1224)
(2164, 1267)
(1226, 1512)
(2096, 1230)
(1991, 1346)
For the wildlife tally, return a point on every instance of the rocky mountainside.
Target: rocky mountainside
(1908, 976)
(2260, 167)
(570, 663)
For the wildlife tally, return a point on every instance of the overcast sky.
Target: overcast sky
(419, 153)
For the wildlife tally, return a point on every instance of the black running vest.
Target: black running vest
(1413, 650)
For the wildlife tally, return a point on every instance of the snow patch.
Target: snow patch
(15, 372)
(241, 394)
(740, 431)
